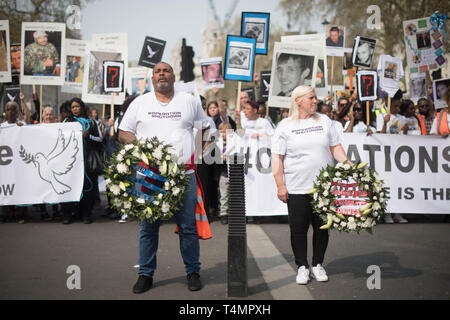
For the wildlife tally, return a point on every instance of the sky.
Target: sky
(169, 20)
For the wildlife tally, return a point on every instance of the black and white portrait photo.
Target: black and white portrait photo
(417, 86)
(239, 57)
(363, 52)
(441, 87)
(292, 70)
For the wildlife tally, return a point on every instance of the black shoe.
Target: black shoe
(87, 220)
(194, 283)
(46, 217)
(224, 219)
(143, 284)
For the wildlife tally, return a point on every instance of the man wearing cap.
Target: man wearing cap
(41, 57)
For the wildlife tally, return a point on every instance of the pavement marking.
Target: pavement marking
(277, 272)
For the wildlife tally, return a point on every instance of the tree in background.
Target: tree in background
(18, 11)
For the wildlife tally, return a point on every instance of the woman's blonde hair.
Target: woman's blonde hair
(298, 92)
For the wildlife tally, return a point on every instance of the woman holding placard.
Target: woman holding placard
(303, 144)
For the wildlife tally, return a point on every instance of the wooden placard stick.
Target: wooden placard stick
(367, 113)
(111, 129)
(238, 99)
(40, 102)
(389, 104)
(332, 75)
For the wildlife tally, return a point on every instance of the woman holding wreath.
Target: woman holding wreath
(304, 143)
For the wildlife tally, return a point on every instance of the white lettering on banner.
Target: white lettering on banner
(41, 164)
(414, 169)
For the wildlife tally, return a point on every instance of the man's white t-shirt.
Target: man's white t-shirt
(171, 123)
(305, 144)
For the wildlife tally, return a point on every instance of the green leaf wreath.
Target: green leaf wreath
(367, 187)
(154, 200)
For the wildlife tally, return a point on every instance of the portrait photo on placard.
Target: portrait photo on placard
(74, 69)
(42, 53)
(292, 70)
(152, 52)
(335, 36)
(212, 72)
(363, 51)
(417, 86)
(15, 59)
(423, 40)
(95, 75)
(441, 87)
(3, 51)
(256, 25)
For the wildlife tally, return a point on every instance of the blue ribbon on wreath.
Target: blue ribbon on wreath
(437, 22)
(139, 194)
(149, 173)
(139, 182)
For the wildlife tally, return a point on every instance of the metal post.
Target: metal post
(237, 235)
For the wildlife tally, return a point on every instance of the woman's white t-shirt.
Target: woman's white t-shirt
(305, 144)
(172, 123)
(360, 127)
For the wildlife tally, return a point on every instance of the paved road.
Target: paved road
(414, 260)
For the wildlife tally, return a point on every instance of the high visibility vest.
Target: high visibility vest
(201, 219)
(423, 127)
(383, 110)
(442, 123)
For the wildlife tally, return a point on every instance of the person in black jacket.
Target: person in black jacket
(91, 144)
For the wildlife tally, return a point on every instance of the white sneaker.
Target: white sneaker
(123, 219)
(302, 275)
(319, 273)
(398, 218)
(388, 218)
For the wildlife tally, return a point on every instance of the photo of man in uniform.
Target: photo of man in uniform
(41, 58)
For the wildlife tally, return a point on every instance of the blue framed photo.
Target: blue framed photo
(240, 58)
(256, 25)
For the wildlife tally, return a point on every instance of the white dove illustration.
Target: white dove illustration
(151, 52)
(267, 85)
(58, 162)
(11, 98)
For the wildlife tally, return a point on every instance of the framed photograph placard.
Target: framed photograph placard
(363, 51)
(212, 72)
(314, 40)
(439, 88)
(75, 58)
(367, 85)
(240, 58)
(293, 65)
(43, 53)
(256, 25)
(5, 59)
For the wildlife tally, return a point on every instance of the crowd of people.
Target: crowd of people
(250, 119)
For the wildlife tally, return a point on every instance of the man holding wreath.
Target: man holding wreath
(169, 115)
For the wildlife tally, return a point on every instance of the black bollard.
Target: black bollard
(237, 235)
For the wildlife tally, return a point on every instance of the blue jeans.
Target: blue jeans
(187, 230)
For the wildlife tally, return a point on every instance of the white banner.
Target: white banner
(41, 163)
(415, 169)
